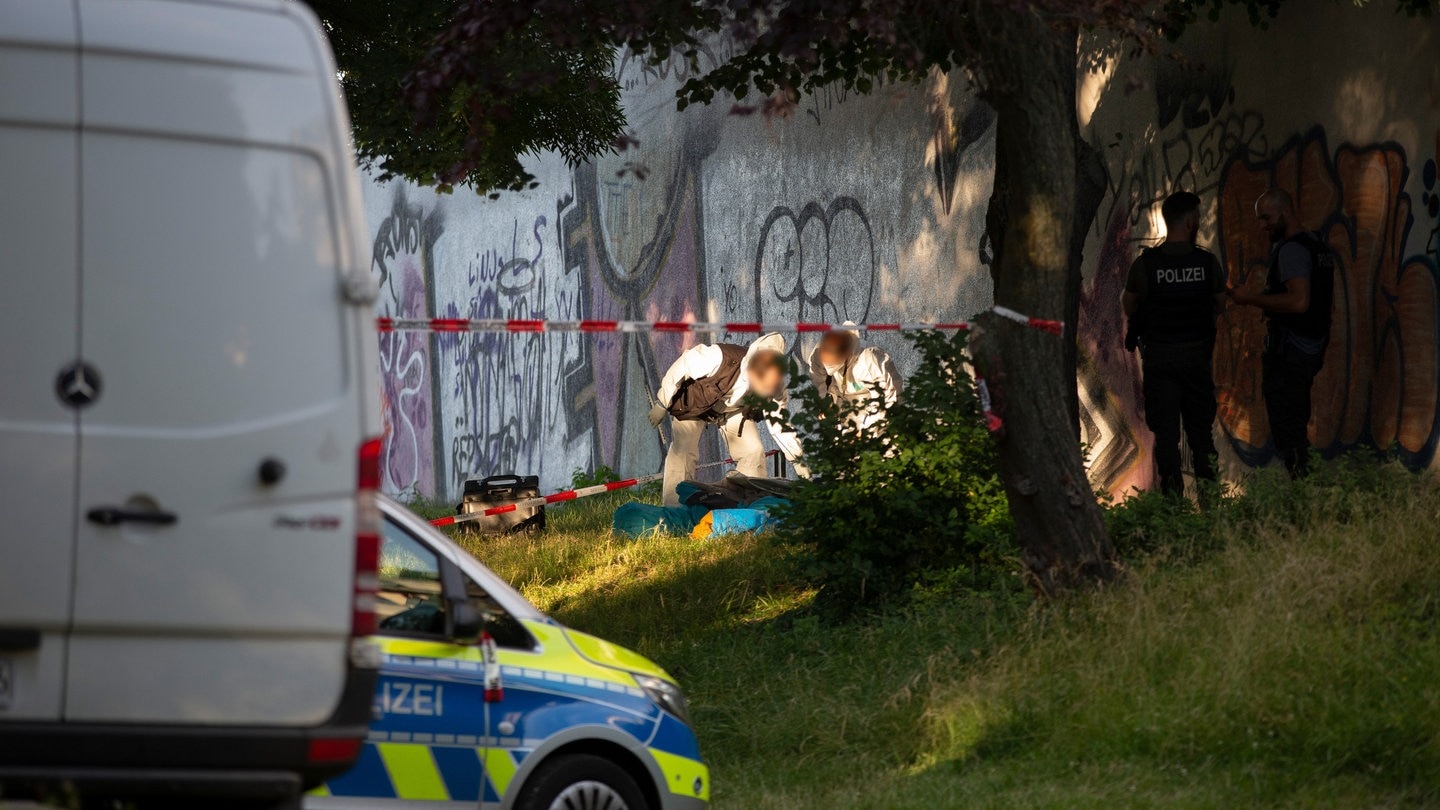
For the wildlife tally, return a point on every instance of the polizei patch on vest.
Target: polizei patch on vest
(1179, 275)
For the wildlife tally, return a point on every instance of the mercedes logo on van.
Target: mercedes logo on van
(78, 385)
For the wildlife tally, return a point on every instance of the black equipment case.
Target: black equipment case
(498, 490)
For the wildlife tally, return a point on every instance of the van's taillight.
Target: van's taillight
(368, 526)
(369, 476)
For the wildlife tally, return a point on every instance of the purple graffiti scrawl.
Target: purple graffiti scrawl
(665, 283)
(402, 255)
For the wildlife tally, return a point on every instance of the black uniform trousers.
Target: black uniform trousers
(1287, 375)
(1180, 391)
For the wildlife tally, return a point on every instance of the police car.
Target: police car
(484, 701)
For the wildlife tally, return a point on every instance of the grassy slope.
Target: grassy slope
(1291, 667)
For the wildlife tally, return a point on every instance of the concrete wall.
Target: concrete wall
(1337, 104)
(872, 208)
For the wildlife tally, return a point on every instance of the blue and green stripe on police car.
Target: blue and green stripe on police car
(431, 740)
(418, 772)
(421, 772)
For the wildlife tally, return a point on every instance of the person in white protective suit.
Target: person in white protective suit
(707, 386)
(862, 379)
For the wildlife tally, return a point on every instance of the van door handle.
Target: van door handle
(19, 639)
(113, 516)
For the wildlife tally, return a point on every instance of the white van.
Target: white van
(187, 386)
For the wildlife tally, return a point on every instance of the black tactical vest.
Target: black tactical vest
(704, 398)
(1179, 304)
(1313, 323)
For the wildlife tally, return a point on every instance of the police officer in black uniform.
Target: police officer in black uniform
(1172, 296)
(1298, 295)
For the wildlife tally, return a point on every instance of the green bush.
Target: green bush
(602, 475)
(1151, 525)
(921, 503)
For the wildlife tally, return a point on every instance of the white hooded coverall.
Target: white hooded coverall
(866, 381)
(741, 442)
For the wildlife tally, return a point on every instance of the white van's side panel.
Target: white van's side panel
(38, 112)
(209, 373)
(212, 304)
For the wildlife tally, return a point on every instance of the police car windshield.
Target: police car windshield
(411, 598)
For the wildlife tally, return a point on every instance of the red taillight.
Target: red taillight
(326, 750)
(369, 478)
(367, 541)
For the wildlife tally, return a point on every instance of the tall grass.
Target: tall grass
(1300, 664)
(1281, 650)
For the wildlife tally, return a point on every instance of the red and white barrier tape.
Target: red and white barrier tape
(386, 325)
(992, 421)
(568, 495)
(514, 325)
(1044, 325)
(545, 500)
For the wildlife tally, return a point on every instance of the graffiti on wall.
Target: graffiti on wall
(822, 100)
(403, 259)
(638, 249)
(636, 70)
(1198, 131)
(1111, 414)
(817, 264)
(955, 136)
(1195, 94)
(538, 403)
(507, 391)
(1191, 159)
(616, 247)
(1382, 368)
(1378, 386)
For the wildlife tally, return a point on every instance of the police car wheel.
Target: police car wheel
(581, 782)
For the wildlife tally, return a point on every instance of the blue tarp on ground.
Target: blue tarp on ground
(736, 521)
(639, 519)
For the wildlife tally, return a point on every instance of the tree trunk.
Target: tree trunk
(1091, 180)
(1058, 523)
